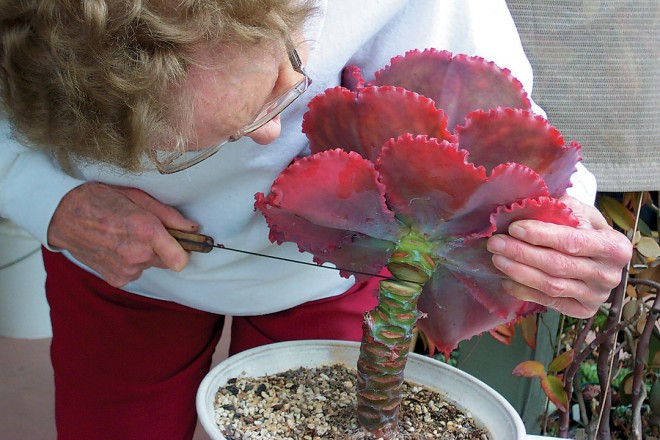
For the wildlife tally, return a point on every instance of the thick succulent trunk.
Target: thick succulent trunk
(387, 335)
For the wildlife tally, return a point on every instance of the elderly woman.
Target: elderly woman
(130, 117)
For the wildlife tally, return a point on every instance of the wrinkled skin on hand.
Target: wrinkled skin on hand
(569, 269)
(118, 232)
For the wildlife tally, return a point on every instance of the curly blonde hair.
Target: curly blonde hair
(88, 80)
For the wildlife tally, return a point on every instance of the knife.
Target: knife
(194, 242)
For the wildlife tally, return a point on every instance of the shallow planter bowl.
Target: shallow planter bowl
(488, 408)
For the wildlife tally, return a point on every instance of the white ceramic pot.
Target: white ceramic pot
(24, 311)
(488, 408)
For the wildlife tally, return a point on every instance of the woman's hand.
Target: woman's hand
(569, 269)
(118, 232)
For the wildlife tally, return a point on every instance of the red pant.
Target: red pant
(128, 367)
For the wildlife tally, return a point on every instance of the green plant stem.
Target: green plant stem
(387, 334)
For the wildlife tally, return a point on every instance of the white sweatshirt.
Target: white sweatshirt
(219, 192)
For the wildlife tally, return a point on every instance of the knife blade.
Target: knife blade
(195, 242)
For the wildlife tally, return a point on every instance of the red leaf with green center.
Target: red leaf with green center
(360, 256)
(343, 219)
(469, 264)
(519, 136)
(453, 314)
(427, 180)
(433, 186)
(363, 121)
(480, 280)
(428, 206)
(458, 84)
(507, 184)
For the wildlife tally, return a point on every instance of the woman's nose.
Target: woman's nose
(268, 133)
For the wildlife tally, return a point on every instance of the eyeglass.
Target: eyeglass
(169, 162)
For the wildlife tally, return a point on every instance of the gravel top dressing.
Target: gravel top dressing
(319, 404)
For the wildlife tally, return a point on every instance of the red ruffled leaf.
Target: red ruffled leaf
(344, 221)
(488, 291)
(361, 257)
(363, 121)
(337, 190)
(334, 203)
(466, 256)
(332, 120)
(544, 209)
(470, 286)
(351, 251)
(469, 263)
(508, 135)
(288, 226)
(508, 183)
(453, 314)
(427, 181)
(351, 78)
(444, 323)
(458, 84)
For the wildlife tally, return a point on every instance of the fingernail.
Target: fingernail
(500, 262)
(496, 244)
(517, 231)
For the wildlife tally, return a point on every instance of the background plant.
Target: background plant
(610, 388)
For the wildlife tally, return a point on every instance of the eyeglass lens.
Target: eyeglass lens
(172, 162)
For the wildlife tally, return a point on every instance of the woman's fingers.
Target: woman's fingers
(570, 269)
(118, 232)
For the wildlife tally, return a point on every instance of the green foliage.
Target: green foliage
(589, 373)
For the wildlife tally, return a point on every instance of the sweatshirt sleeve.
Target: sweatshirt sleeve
(31, 185)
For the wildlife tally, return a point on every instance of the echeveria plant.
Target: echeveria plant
(413, 172)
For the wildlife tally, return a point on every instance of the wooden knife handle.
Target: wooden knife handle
(193, 242)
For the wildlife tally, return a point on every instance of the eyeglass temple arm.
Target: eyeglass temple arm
(295, 59)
